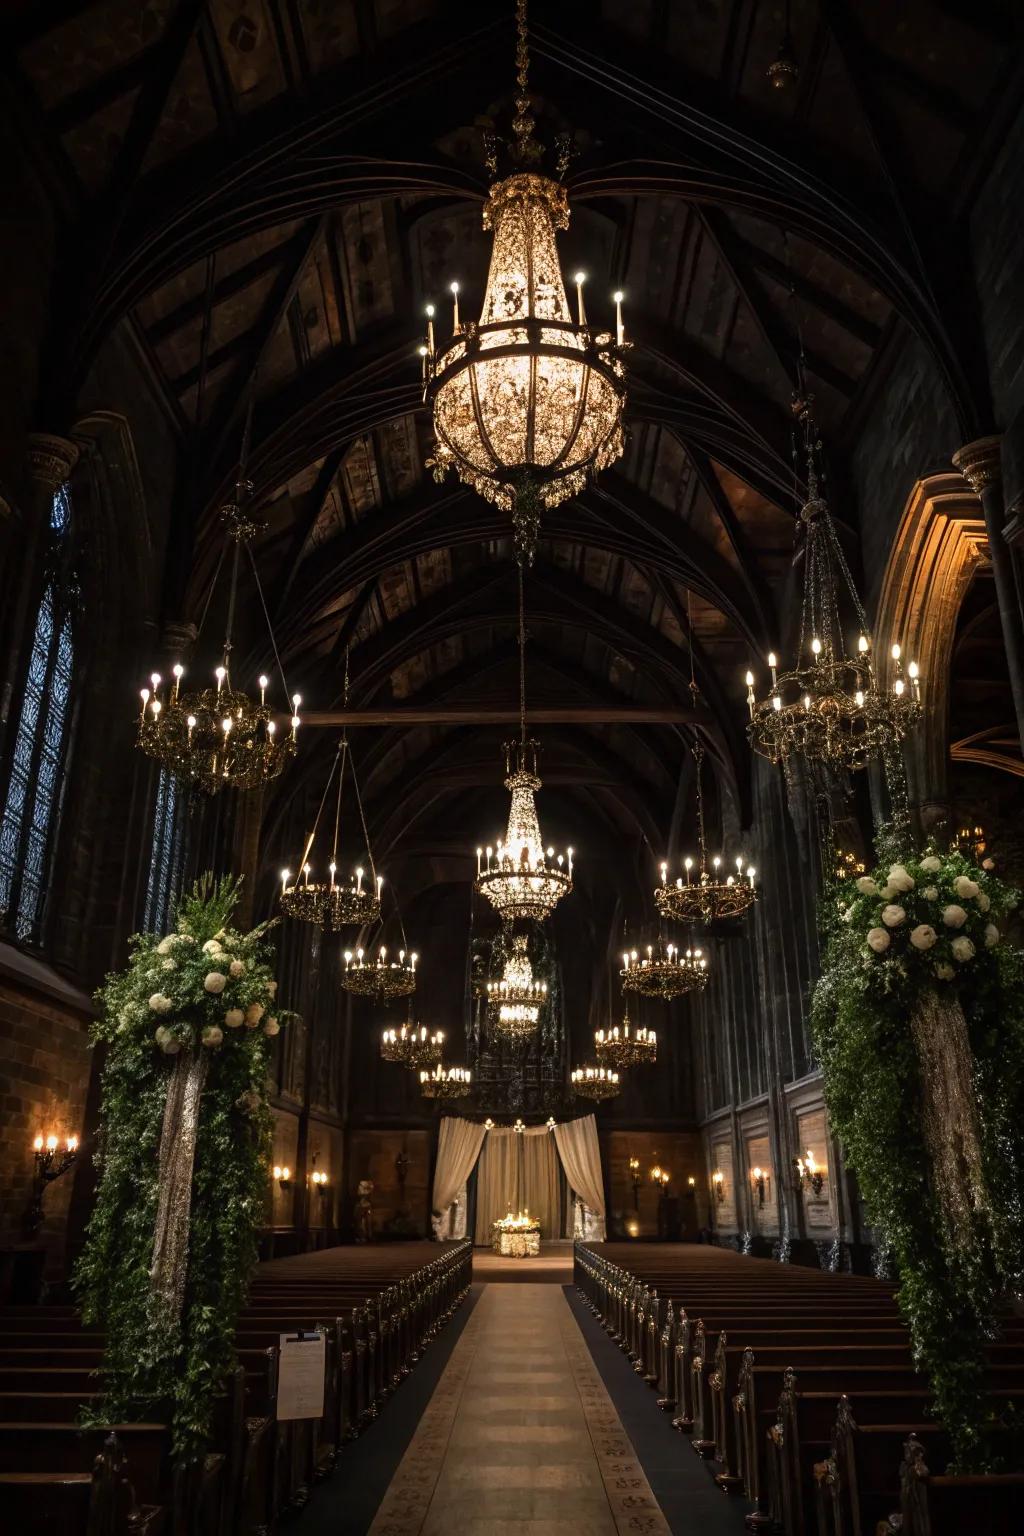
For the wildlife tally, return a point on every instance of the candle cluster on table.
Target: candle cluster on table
(383, 977)
(665, 971)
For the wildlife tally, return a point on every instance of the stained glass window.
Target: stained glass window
(167, 854)
(36, 782)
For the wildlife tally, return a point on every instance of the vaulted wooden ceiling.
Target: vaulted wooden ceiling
(262, 194)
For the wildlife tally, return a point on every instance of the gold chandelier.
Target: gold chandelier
(411, 1047)
(665, 971)
(595, 1082)
(520, 878)
(383, 978)
(219, 737)
(446, 1082)
(333, 904)
(526, 402)
(625, 1047)
(830, 708)
(516, 1000)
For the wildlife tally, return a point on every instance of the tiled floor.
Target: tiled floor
(520, 1436)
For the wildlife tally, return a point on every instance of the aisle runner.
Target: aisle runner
(520, 1436)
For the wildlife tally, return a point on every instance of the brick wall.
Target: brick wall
(680, 1153)
(45, 1062)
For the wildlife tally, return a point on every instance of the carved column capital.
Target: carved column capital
(51, 459)
(980, 462)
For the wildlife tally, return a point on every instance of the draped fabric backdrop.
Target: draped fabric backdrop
(580, 1151)
(518, 1169)
(458, 1147)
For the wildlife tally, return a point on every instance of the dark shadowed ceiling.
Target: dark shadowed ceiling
(272, 190)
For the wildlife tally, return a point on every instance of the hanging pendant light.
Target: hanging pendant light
(443, 1082)
(595, 1082)
(383, 977)
(527, 402)
(412, 1045)
(664, 971)
(623, 1046)
(516, 1000)
(519, 877)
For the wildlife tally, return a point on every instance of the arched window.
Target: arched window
(166, 855)
(35, 787)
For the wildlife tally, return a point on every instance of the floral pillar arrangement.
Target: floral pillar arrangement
(183, 1157)
(918, 1021)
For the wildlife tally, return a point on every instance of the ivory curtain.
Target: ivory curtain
(581, 1158)
(458, 1147)
(542, 1191)
(517, 1170)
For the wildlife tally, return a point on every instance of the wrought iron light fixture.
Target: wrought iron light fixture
(665, 971)
(809, 1172)
(830, 708)
(411, 1047)
(446, 1082)
(526, 402)
(333, 904)
(625, 1047)
(520, 878)
(382, 978)
(718, 1185)
(516, 1000)
(595, 1082)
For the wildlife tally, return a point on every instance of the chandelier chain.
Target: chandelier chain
(522, 657)
(273, 639)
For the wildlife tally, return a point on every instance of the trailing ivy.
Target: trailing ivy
(919, 925)
(165, 1002)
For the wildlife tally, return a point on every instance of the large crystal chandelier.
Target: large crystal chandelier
(830, 708)
(516, 1000)
(526, 402)
(520, 878)
(664, 971)
(219, 736)
(353, 900)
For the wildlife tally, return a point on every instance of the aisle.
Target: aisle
(553, 1265)
(520, 1437)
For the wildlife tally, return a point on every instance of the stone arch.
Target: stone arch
(939, 545)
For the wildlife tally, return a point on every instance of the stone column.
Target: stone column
(980, 463)
(50, 460)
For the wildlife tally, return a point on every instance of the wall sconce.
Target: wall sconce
(660, 1176)
(52, 1161)
(283, 1176)
(318, 1180)
(759, 1179)
(636, 1178)
(691, 1187)
(718, 1184)
(809, 1171)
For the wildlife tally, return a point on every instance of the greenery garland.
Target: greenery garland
(923, 930)
(204, 987)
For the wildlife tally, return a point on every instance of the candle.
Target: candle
(72, 1143)
(773, 663)
(359, 882)
(191, 723)
(332, 867)
(220, 674)
(285, 877)
(455, 299)
(750, 693)
(145, 701)
(263, 689)
(51, 1143)
(430, 329)
(580, 279)
(37, 1145)
(179, 672)
(620, 333)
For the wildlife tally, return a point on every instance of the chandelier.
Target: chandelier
(382, 978)
(519, 878)
(625, 1047)
(219, 736)
(332, 903)
(665, 972)
(516, 1000)
(595, 1082)
(830, 708)
(446, 1082)
(411, 1047)
(527, 402)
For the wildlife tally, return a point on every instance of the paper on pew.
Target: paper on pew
(301, 1375)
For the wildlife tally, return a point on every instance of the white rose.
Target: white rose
(944, 971)
(237, 968)
(931, 893)
(234, 1018)
(984, 901)
(892, 916)
(954, 916)
(211, 947)
(988, 863)
(272, 988)
(931, 865)
(215, 981)
(900, 878)
(159, 1003)
(923, 936)
(169, 965)
(867, 886)
(165, 944)
(878, 940)
(962, 948)
(212, 1035)
(270, 1026)
(965, 888)
(254, 1013)
(991, 935)
(161, 1033)
(170, 1046)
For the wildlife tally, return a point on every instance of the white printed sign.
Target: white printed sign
(301, 1375)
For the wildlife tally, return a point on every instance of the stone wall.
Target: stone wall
(643, 1213)
(372, 1155)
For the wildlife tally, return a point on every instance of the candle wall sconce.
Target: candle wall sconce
(52, 1161)
(718, 1184)
(759, 1179)
(636, 1179)
(809, 1172)
(691, 1187)
(319, 1181)
(283, 1175)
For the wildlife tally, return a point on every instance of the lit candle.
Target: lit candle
(816, 646)
(332, 867)
(430, 329)
(359, 881)
(688, 865)
(179, 673)
(479, 862)
(271, 729)
(156, 707)
(263, 689)
(285, 877)
(145, 700)
(51, 1143)
(72, 1143)
(569, 852)
(750, 693)
(37, 1145)
(305, 873)
(455, 298)
(191, 723)
(620, 333)
(225, 726)
(380, 885)
(220, 674)
(773, 663)
(580, 279)
(155, 680)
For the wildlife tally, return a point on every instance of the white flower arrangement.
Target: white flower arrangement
(893, 916)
